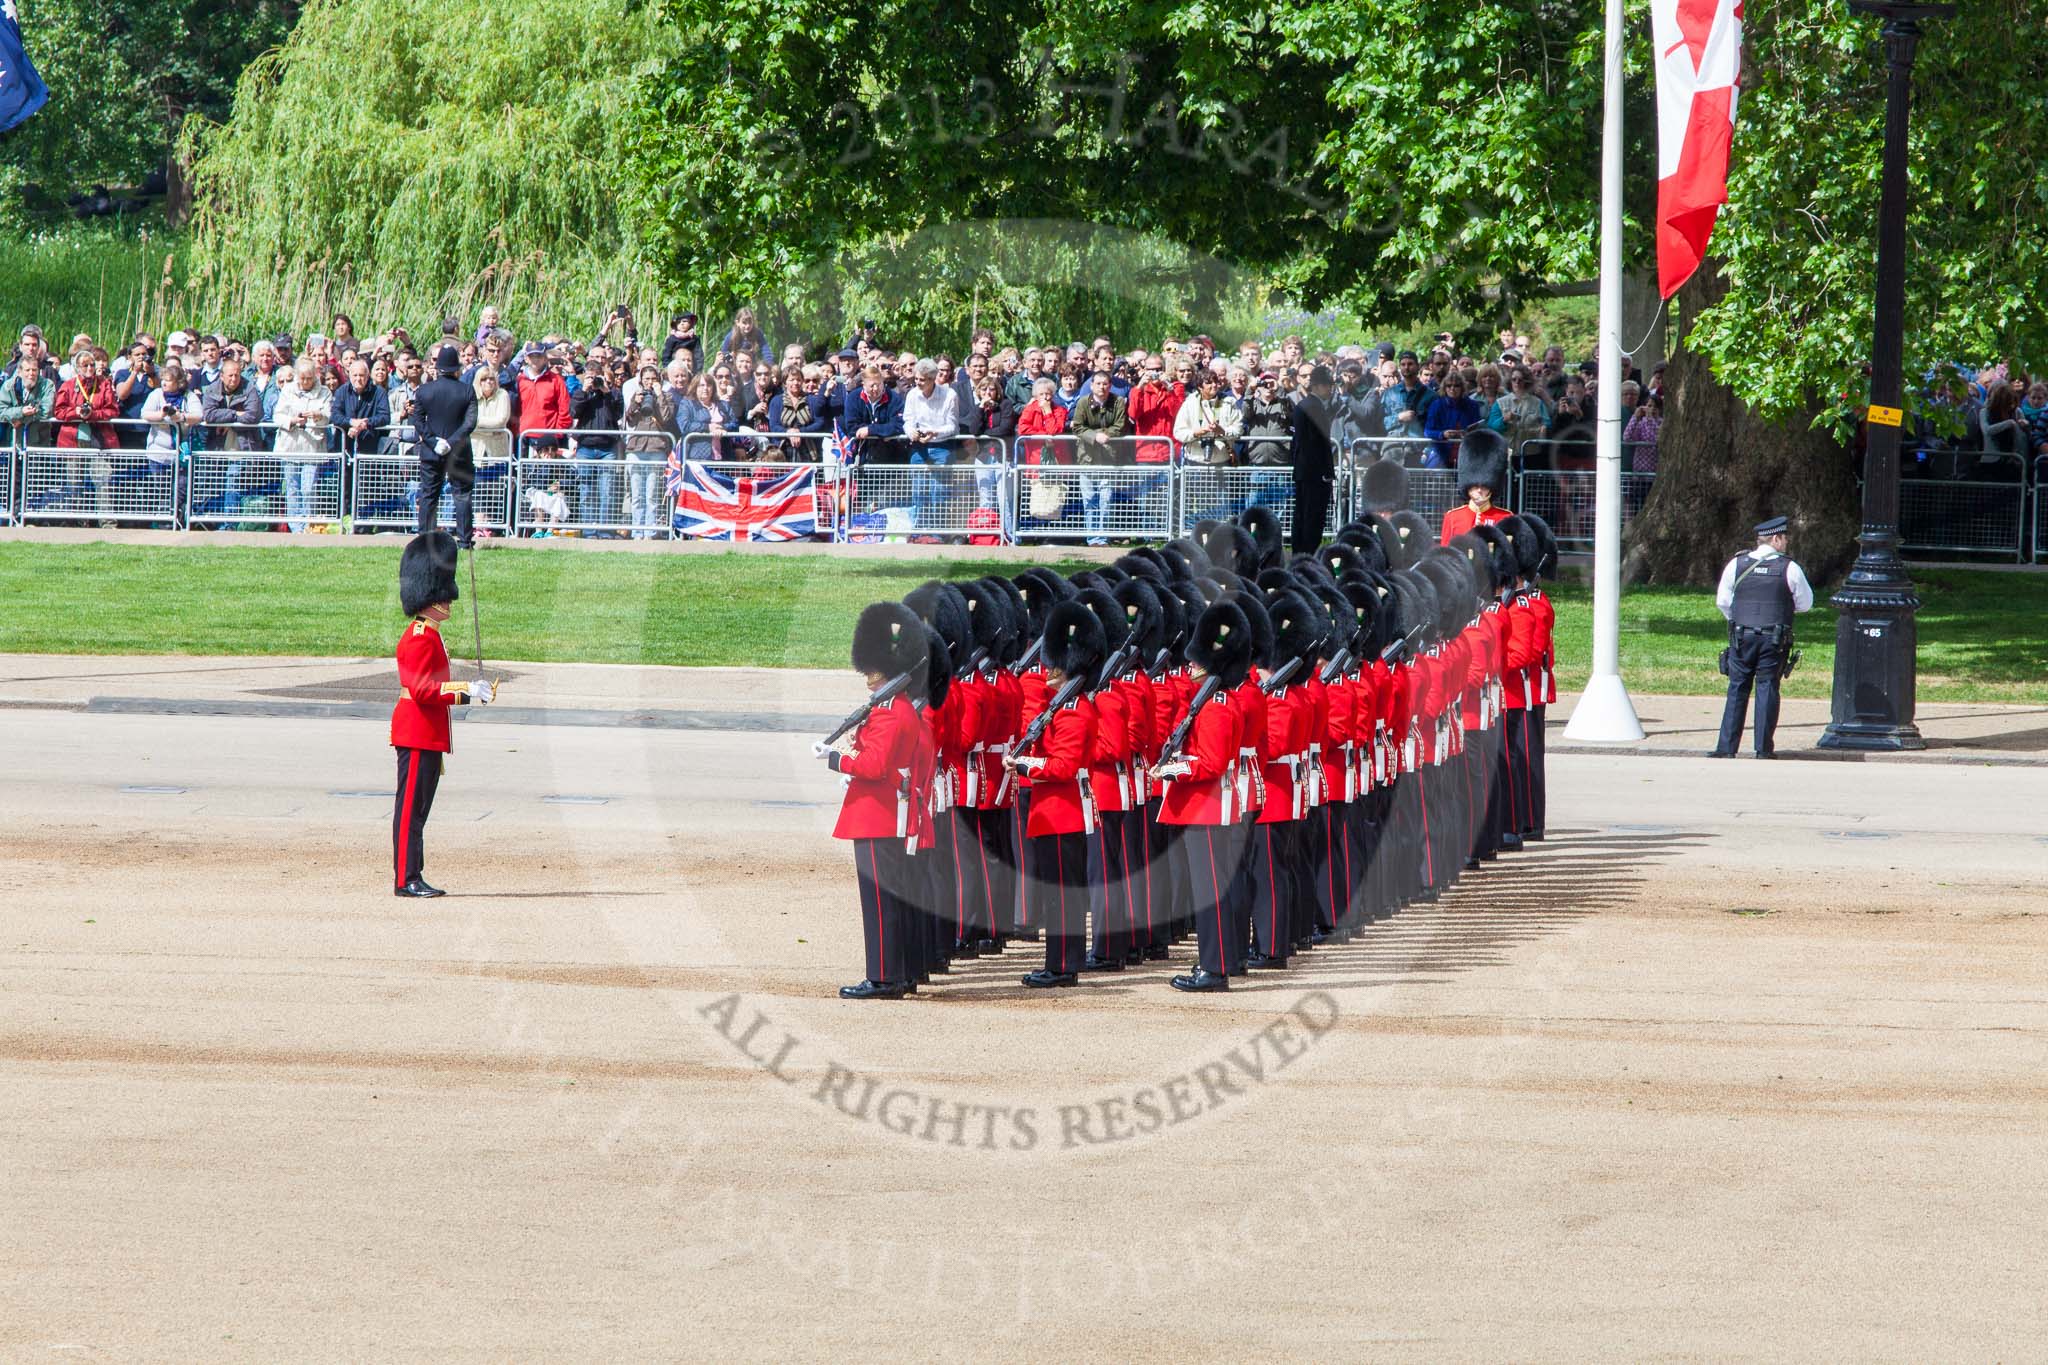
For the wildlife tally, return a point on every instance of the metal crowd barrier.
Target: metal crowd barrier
(1061, 498)
(1431, 492)
(835, 488)
(114, 486)
(1224, 492)
(1972, 515)
(910, 497)
(617, 492)
(384, 495)
(1563, 493)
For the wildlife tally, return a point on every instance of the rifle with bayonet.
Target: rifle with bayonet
(883, 695)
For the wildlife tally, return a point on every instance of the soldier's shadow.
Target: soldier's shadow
(1482, 921)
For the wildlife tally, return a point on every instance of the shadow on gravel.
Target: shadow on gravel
(1489, 915)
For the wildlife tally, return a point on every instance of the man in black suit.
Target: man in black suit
(444, 414)
(1314, 460)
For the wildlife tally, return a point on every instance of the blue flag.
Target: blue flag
(22, 91)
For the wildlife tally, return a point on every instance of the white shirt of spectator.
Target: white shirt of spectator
(937, 416)
(1795, 579)
(162, 441)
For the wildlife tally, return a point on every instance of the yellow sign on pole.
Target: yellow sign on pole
(1885, 417)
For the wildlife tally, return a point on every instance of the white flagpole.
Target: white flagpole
(1604, 712)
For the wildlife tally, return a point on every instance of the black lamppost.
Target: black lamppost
(1875, 636)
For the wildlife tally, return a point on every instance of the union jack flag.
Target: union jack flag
(773, 502)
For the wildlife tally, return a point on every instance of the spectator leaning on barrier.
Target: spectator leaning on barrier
(85, 404)
(134, 379)
(931, 418)
(540, 402)
(303, 410)
(492, 437)
(26, 399)
(874, 416)
(650, 416)
(1043, 415)
(1152, 405)
(174, 412)
(361, 411)
(1208, 424)
(1520, 414)
(598, 412)
(1099, 419)
(1268, 422)
(1403, 402)
(1451, 414)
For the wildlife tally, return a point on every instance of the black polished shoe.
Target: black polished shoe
(1156, 952)
(1134, 957)
(1042, 978)
(1026, 935)
(1532, 836)
(1771, 754)
(1511, 843)
(966, 948)
(873, 990)
(1199, 981)
(1472, 864)
(937, 966)
(1325, 935)
(1262, 962)
(1092, 963)
(418, 888)
(1427, 896)
(1720, 753)
(988, 947)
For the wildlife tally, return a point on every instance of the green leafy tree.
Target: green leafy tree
(1408, 160)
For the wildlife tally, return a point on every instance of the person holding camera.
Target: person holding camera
(1760, 592)
(1099, 420)
(1208, 423)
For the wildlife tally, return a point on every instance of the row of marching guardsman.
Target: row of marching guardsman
(1199, 740)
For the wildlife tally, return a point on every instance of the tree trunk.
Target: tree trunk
(1721, 469)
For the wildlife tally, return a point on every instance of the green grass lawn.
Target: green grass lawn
(1981, 634)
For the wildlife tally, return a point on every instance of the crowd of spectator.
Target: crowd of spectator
(617, 398)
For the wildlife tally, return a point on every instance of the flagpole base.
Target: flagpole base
(1604, 715)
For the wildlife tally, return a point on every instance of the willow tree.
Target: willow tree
(1416, 158)
(428, 156)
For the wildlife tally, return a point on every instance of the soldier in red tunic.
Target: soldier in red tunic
(1201, 792)
(419, 722)
(1056, 768)
(1483, 479)
(876, 815)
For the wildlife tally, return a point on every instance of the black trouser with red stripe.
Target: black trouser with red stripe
(1059, 876)
(419, 773)
(1537, 803)
(1116, 863)
(1275, 853)
(987, 871)
(881, 866)
(1209, 854)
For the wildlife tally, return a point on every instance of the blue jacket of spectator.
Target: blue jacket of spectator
(1448, 415)
(1396, 399)
(373, 406)
(882, 417)
(762, 352)
(820, 419)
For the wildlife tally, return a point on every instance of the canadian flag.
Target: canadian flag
(1699, 65)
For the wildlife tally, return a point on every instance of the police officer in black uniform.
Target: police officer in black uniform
(1760, 593)
(444, 414)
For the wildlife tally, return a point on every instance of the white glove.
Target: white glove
(441, 447)
(1177, 768)
(482, 693)
(1024, 763)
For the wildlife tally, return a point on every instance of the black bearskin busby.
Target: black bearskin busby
(1221, 643)
(1545, 565)
(888, 639)
(1073, 640)
(426, 572)
(1386, 487)
(1483, 460)
(1266, 533)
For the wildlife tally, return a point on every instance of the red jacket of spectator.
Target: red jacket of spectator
(1152, 408)
(1207, 795)
(877, 802)
(543, 403)
(1052, 421)
(420, 719)
(1056, 788)
(74, 407)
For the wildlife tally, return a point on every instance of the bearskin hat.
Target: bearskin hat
(426, 572)
(1450, 573)
(942, 606)
(1266, 533)
(1016, 618)
(1144, 562)
(1370, 614)
(1146, 617)
(936, 678)
(984, 618)
(1483, 459)
(1386, 486)
(1116, 627)
(1190, 551)
(1174, 621)
(1480, 555)
(1299, 626)
(1389, 541)
(1221, 643)
(888, 639)
(1342, 561)
(1260, 620)
(1073, 640)
(1230, 547)
(1418, 605)
(1041, 589)
(1545, 565)
(1414, 535)
(1521, 542)
(1502, 552)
